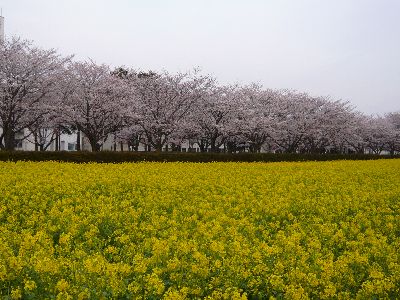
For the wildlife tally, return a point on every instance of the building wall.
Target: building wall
(67, 142)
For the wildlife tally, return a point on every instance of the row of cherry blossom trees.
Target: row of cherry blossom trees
(48, 94)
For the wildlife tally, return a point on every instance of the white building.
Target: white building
(1, 29)
(25, 142)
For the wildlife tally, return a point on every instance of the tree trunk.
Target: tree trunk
(291, 150)
(9, 140)
(36, 141)
(94, 145)
(202, 146)
(56, 146)
(213, 144)
(255, 148)
(78, 140)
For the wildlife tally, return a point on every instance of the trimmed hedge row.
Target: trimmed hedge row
(118, 157)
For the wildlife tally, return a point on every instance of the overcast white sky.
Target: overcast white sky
(348, 49)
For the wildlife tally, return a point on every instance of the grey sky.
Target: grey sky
(349, 49)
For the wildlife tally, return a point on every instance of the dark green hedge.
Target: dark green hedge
(117, 157)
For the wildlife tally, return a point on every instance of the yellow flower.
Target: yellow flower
(30, 285)
(208, 231)
(62, 285)
(16, 294)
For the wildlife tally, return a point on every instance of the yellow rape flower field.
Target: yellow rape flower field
(318, 230)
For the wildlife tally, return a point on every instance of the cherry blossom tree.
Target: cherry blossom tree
(132, 135)
(161, 102)
(355, 133)
(377, 134)
(45, 131)
(393, 127)
(213, 119)
(95, 102)
(330, 119)
(28, 77)
(295, 118)
(258, 115)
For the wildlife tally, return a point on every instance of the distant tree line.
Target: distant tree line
(46, 93)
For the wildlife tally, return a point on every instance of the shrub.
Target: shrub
(118, 157)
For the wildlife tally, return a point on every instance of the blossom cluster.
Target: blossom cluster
(320, 230)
